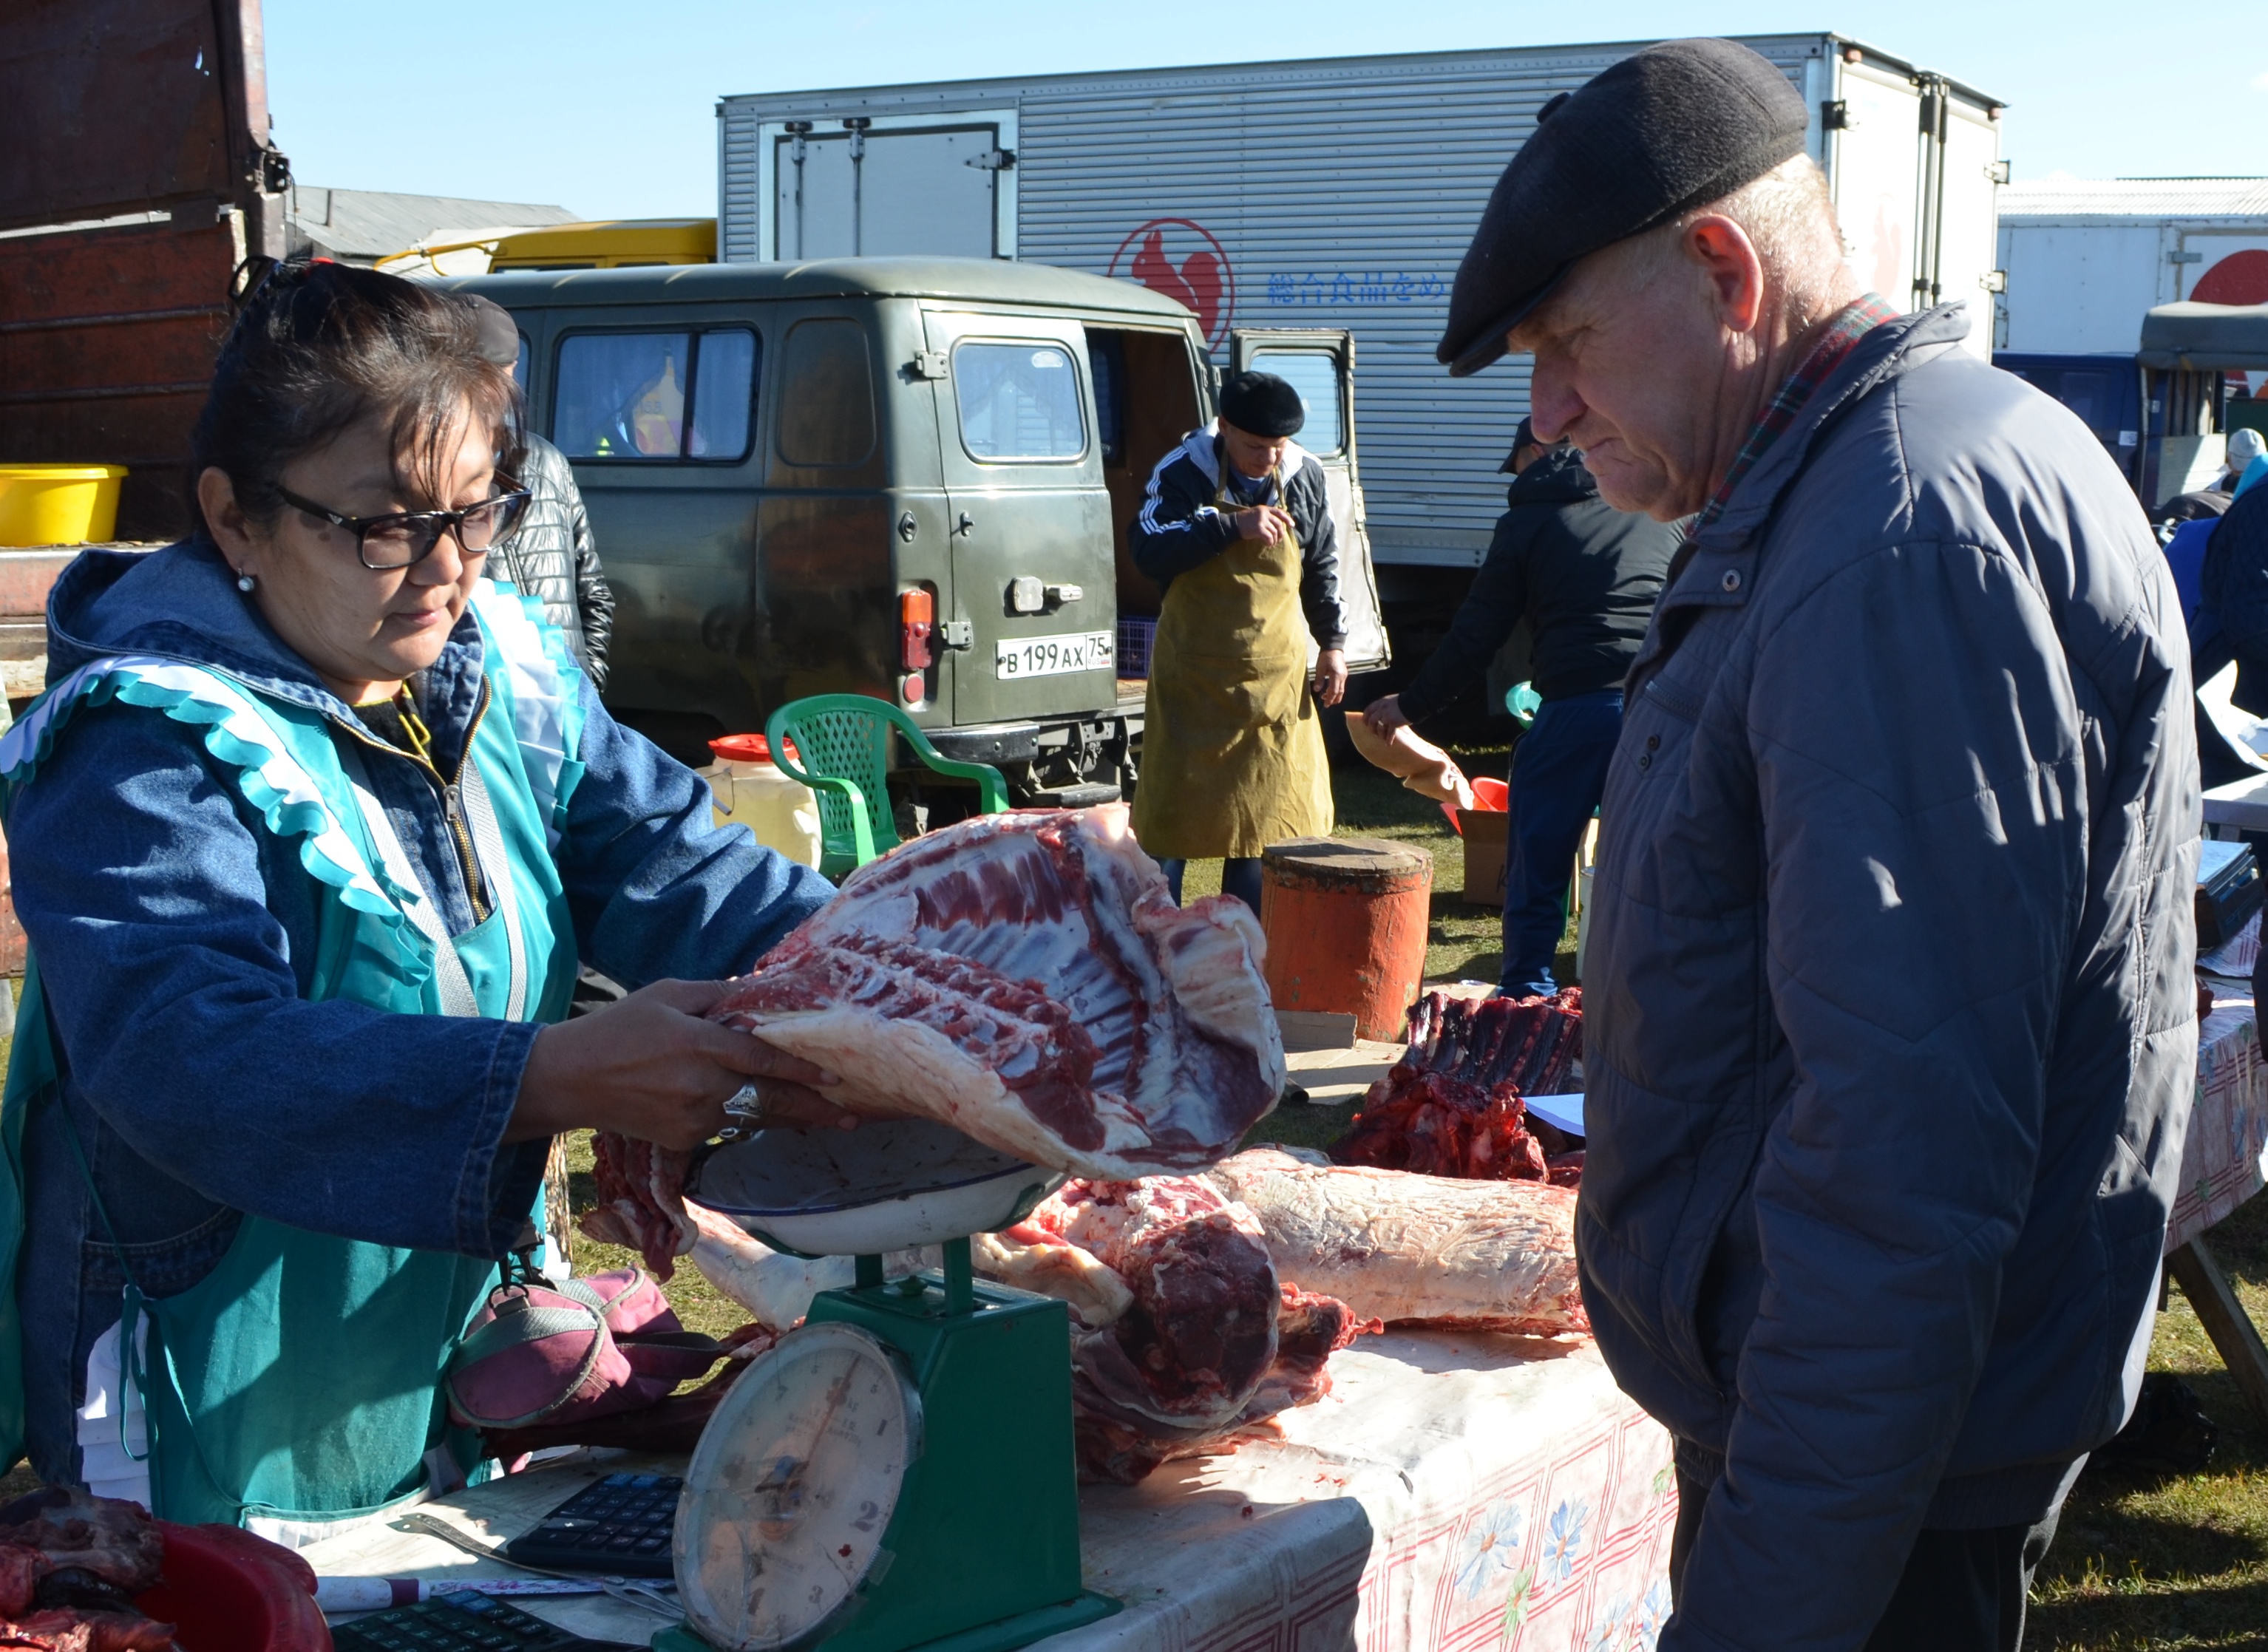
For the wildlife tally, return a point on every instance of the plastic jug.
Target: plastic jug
(749, 787)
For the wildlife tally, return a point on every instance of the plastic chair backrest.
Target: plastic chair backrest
(841, 746)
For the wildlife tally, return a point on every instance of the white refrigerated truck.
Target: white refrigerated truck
(1328, 193)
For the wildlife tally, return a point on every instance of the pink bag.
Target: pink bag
(566, 1351)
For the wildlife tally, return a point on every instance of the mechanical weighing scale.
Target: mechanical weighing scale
(898, 1472)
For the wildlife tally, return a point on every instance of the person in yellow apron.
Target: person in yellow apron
(1237, 528)
(309, 832)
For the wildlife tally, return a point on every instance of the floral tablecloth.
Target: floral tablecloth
(2225, 1158)
(1476, 1494)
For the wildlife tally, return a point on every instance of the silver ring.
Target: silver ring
(747, 1101)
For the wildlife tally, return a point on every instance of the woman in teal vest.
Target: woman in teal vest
(309, 832)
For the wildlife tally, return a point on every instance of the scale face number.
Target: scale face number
(793, 1487)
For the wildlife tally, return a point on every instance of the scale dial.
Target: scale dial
(793, 1487)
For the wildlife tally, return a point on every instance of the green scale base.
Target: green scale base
(983, 1548)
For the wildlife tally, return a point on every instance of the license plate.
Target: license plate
(1053, 656)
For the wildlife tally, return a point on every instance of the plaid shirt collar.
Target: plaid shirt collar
(1841, 335)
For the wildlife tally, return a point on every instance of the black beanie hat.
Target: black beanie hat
(499, 333)
(1262, 404)
(1665, 131)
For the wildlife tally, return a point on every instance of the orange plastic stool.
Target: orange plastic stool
(1346, 920)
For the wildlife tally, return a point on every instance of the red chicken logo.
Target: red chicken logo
(1180, 258)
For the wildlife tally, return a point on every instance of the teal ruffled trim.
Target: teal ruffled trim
(561, 659)
(307, 821)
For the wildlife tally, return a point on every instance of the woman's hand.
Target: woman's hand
(1268, 523)
(1330, 676)
(650, 1067)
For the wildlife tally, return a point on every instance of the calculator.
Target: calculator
(617, 1526)
(460, 1622)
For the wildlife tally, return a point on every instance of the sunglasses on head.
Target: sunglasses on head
(404, 537)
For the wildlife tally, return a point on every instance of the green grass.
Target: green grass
(2173, 1561)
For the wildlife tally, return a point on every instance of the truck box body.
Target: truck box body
(2087, 257)
(1336, 193)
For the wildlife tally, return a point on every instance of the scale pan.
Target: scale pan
(890, 1185)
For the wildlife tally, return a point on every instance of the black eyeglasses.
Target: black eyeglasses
(387, 542)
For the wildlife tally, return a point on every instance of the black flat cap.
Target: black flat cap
(1665, 131)
(1262, 404)
(499, 333)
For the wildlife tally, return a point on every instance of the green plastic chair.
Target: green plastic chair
(843, 753)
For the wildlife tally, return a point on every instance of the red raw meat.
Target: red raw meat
(1204, 1343)
(1025, 977)
(115, 1540)
(65, 1630)
(641, 1205)
(21, 1569)
(1452, 1107)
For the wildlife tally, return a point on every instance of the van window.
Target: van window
(827, 398)
(623, 395)
(1314, 374)
(1018, 401)
(1106, 361)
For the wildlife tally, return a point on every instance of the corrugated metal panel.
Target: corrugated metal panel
(1341, 191)
(2151, 198)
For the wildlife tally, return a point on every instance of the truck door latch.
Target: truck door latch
(928, 365)
(957, 633)
(993, 160)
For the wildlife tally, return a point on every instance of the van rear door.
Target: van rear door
(1035, 622)
(1319, 362)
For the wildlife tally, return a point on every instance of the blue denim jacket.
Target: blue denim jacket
(175, 937)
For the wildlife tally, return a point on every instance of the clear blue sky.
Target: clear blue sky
(609, 108)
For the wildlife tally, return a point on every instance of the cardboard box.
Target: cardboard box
(1487, 833)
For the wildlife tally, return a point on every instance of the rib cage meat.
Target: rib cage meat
(1027, 979)
(1452, 1107)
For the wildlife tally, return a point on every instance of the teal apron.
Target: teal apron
(298, 1384)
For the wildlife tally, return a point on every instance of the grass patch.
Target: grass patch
(2173, 1561)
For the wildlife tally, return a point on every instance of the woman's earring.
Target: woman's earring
(244, 582)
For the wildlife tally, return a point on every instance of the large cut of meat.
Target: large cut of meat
(1397, 1246)
(1452, 1107)
(1027, 979)
(1182, 1337)
(1195, 1342)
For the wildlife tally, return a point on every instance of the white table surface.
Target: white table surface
(1453, 1488)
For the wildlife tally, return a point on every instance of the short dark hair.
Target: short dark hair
(318, 347)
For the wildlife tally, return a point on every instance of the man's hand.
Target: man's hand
(1268, 523)
(650, 1067)
(1385, 715)
(1330, 676)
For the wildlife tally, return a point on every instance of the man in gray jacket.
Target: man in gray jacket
(1890, 1022)
(551, 556)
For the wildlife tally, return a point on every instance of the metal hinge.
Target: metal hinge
(957, 633)
(2000, 170)
(1994, 281)
(993, 160)
(1835, 116)
(928, 365)
(2185, 258)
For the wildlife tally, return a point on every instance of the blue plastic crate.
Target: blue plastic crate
(1136, 633)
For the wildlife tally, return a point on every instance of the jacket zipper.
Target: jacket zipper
(469, 863)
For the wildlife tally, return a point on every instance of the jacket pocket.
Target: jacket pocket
(159, 1267)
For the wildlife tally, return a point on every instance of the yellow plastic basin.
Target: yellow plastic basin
(58, 504)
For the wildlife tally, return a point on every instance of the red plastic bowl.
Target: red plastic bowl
(227, 1591)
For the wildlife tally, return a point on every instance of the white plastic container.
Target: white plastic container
(749, 787)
